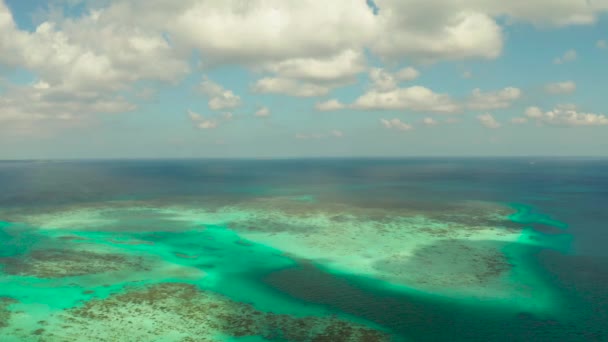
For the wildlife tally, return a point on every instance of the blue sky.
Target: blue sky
(210, 78)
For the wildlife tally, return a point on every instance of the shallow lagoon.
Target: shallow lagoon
(327, 251)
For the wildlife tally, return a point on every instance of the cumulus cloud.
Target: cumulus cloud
(566, 115)
(41, 108)
(229, 31)
(435, 31)
(290, 87)
(83, 66)
(313, 136)
(308, 47)
(566, 87)
(201, 122)
(430, 122)
(383, 80)
(219, 97)
(309, 77)
(339, 68)
(467, 75)
(494, 99)
(259, 31)
(601, 44)
(262, 112)
(407, 74)
(568, 56)
(396, 124)
(445, 29)
(415, 98)
(330, 105)
(488, 121)
(89, 52)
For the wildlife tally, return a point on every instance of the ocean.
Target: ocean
(413, 249)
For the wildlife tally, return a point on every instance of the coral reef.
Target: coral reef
(182, 312)
(5, 313)
(59, 263)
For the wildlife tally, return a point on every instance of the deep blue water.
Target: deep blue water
(568, 190)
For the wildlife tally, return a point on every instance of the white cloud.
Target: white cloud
(315, 136)
(227, 116)
(330, 105)
(383, 80)
(601, 44)
(290, 87)
(519, 121)
(201, 122)
(430, 122)
(219, 97)
(566, 115)
(340, 68)
(396, 124)
(455, 29)
(435, 31)
(88, 61)
(493, 100)
(89, 52)
(41, 108)
(566, 87)
(488, 121)
(407, 74)
(262, 112)
(534, 112)
(467, 75)
(83, 65)
(309, 77)
(259, 31)
(568, 56)
(414, 98)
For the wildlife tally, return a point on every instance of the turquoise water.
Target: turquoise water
(361, 251)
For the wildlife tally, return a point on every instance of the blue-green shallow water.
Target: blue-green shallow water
(563, 200)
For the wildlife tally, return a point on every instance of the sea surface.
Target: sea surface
(427, 249)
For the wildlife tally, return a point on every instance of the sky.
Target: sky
(307, 78)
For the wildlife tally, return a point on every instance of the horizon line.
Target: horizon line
(304, 158)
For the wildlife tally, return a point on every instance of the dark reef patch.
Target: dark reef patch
(203, 314)
(60, 263)
(447, 263)
(5, 313)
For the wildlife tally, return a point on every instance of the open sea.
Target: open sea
(428, 249)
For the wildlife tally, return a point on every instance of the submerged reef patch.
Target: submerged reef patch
(59, 263)
(182, 312)
(5, 313)
(448, 263)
